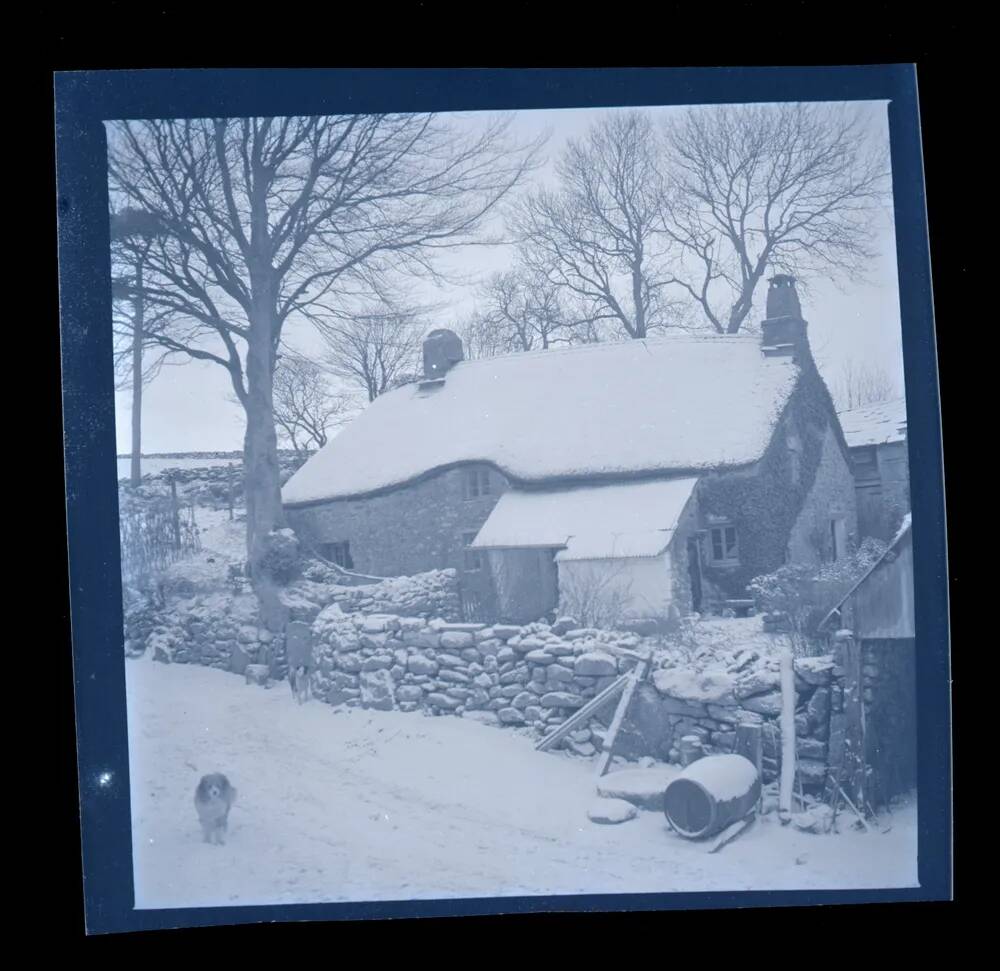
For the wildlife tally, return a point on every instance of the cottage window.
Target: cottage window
(339, 553)
(477, 483)
(865, 463)
(473, 558)
(724, 548)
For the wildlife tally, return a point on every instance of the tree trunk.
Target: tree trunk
(261, 474)
(138, 311)
(640, 307)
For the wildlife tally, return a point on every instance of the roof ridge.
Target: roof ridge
(605, 345)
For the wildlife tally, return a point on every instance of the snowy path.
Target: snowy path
(356, 805)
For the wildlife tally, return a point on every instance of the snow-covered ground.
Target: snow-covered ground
(337, 805)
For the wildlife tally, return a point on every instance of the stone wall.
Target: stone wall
(832, 495)
(407, 530)
(535, 676)
(431, 594)
(888, 696)
(710, 704)
(220, 629)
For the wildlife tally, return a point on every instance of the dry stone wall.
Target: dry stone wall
(533, 677)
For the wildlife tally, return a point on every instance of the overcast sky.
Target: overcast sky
(188, 409)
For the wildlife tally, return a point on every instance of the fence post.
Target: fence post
(175, 513)
(229, 481)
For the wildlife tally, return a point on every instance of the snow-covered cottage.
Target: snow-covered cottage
(629, 476)
(876, 437)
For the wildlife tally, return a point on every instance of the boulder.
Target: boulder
(595, 664)
(559, 672)
(457, 639)
(510, 716)
(438, 700)
(377, 690)
(611, 811)
(239, 659)
(769, 704)
(539, 656)
(349, 662)
(257, 674)
(562, 699)
(418, 664)
(562, 625)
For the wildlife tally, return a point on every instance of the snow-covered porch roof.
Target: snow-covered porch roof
(624, 520)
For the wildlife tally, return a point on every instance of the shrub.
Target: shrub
(801, 596)
(598, 595)
(153, 533)
(281, 558)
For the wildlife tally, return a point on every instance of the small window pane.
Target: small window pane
(730, 541)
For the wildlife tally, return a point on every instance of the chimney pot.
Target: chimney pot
(442, 350)
(782, 299)
(783, 332)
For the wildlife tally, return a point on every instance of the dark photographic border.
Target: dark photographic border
(85, 99)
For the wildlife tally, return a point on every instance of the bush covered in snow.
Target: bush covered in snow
(281, 558)
(801, 596)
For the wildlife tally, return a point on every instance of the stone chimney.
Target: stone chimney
(783, 332)
(442, 350)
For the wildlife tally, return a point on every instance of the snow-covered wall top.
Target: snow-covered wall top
(680, 403)
(877, 424)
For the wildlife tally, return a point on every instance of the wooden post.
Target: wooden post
(854, 728)
(635, 676)
(175, 513)
(229, 481)
(787, 781)
(588, 710)
(750, 744)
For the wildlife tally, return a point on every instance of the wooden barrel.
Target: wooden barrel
(710, 794)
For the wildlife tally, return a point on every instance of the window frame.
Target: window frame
(330, 550)
(477, 484)
(730, 551)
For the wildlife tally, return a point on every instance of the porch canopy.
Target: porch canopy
(624, 520)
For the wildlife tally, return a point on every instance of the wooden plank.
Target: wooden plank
(750, 744)
(587, 711)
(730, 833)
(634, 677)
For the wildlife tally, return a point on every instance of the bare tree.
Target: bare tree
(372, 347)
(522, 310)
(134, 321)
(304, 406)
(263, 219)
(790, 187)
(863, 384)
(600, 235)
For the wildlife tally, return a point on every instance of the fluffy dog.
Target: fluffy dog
(300, 679)
(213, 799)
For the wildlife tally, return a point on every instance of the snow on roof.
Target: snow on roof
(591, 522)
(876, 424)
(678, 403)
